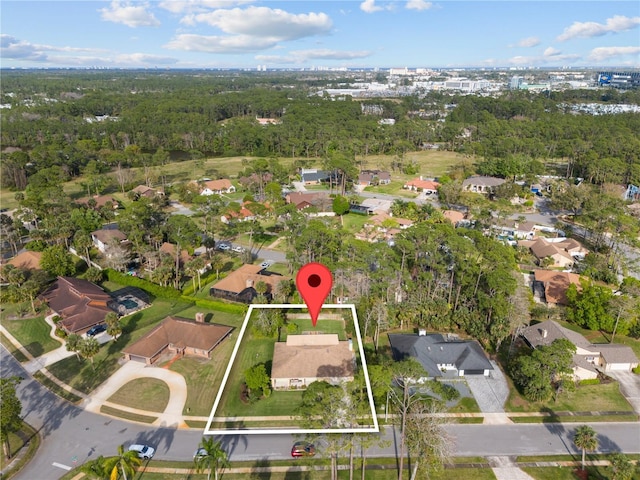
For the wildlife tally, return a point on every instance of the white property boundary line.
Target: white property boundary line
(262, 431)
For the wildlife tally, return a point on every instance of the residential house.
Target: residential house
(562, 252)
(104, 238)
(80, 304)
(100, 201)
(178, 336)
(422, 185)
(590, 358)
(304, 200)
(312, 176)
(373, 177)
(515, 229)
(377, 205)
(454, 216)
(304, 359)
(171, 248)
(481, 184)
(382, 228)
(26, 260)
(554, 285)
(145, 191)
(217, 187)
(239, 285)
(441, 355)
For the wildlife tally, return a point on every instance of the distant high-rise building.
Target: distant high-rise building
(516, 82)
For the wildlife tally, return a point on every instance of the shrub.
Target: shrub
(61, 333)
(590, 381)
(149, 287)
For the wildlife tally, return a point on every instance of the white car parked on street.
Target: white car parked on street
(144, 451)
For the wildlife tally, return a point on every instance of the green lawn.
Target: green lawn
(148, 394)
(394, 188)
(203, 378)
(33, 334)
(604, 397)
(134, 417)
(323, 326)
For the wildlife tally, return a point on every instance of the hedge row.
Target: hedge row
(149, 287)
(216, 305)
(204, 280)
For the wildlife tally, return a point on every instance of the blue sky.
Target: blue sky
(296, 34)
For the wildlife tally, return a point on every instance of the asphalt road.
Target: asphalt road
(72, 436)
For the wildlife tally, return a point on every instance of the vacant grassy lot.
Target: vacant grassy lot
(148, 394)
(605, 397)
(431, 163)
(33, 334)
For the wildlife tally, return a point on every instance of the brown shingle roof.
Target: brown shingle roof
(556, 284)
(312, 356)
(80, 303)
(181, 332)
(26, 260)
(246, 276)
(170, 249)
(105, 236)
(217, 185)
(616, 353)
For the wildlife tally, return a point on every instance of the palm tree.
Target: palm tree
(210, 456)
(125, 463)
(89, 348)
(96, 468)
(585, 438)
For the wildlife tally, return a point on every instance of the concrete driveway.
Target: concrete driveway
(490, 392)
(630, 387)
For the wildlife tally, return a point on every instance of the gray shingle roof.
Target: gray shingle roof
(433, 350)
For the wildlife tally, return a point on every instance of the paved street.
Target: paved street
(70, 433)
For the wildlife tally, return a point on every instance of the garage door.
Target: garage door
(474, 372)
(625, 367)
(137, 358)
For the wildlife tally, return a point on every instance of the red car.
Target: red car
(303, 449)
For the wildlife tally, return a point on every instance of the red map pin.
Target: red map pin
(314, 282)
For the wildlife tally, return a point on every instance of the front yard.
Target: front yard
(33, 334)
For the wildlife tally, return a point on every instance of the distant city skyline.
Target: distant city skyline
(250, 34)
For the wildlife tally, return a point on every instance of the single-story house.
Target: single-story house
(589, 357)
(217, 187)
(453, 216)
(440, 355)
(377, 205)
(268, 121)
(171, 248)
(26, 260)
(373, 177)
(563, 251)
(102, 239)
(515, 229)
(101, 201)
(239, 285)
(422, 185)
(178, 336)
(80, 304)
(481, 184)
(555, 285)
(145, 191)
(306, 199)
(304, 359)
(382, 228)
(312, 176)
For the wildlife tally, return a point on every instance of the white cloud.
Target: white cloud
(529, 42)
(15, 49)
(181, 6)
(218, 44)
(605, 53)
(266, 22)
(615, 24)
(143, 59)
(551, 52)
(418, 5)
(534, 60)
(369, 6)
(129, 15)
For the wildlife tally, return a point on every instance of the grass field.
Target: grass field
(203, 378)
(148, 394)
(33, 334)
(19, 356)
(604, 397)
